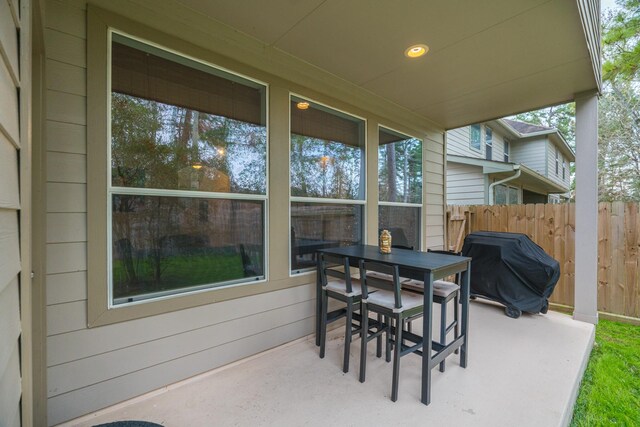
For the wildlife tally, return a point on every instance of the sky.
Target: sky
(608, 4)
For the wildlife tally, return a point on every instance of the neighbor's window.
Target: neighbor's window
(475, 137)
(488, 142)
(564, 169)
(506, 195)
(400, 187)
(557, 161)
(188, 180)
(507, 146)
(327, 180)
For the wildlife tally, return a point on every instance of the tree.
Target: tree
(619, 117)
(621, 40)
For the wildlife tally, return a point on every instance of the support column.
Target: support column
(586, 238)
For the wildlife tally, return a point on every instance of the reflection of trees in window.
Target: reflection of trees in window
(400, 171)
(157, 145)
(321, 168)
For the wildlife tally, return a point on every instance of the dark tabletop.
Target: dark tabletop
(425, 261)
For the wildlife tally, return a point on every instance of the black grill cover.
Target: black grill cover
(511, 269)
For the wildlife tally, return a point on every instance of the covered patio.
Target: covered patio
(523, 372)
(173, 164)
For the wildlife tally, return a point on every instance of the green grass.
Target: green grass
(178, 272)
(610, 390)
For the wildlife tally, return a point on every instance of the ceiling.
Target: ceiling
(487, 59)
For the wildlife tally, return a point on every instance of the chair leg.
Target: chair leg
(323, 323)
(379, 338)
(456, 330)
(347, 335)
(443, 329)
(387, 332)
(364, 341)
(396, 359)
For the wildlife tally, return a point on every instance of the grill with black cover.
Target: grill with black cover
(511, 269)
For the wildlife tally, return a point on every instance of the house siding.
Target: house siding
(458, 141)
(531, 153)
(92, 368)
(497, 153)
(10, 265)
(551, 151)
(465, 184)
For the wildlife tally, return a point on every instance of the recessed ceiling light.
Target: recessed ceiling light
(416, 51)
(302, 105)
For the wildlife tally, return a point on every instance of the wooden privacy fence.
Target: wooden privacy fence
(552, 226)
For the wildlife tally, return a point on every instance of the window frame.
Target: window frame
(420, 206)
(557, 161)
(507, 150)
(322, 200)
(479, 148)
(100, 308)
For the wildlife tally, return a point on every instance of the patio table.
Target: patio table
(425, 266)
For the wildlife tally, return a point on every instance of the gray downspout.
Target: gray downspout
(512, 177)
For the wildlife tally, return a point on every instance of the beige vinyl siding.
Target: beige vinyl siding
(531, 153)
(92, 368)
(10, 143)
(433, 182)
(458, 143)
(465, 184)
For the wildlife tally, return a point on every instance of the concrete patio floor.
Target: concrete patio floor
(522, 372)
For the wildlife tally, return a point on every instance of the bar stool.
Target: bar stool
(348, 290)
(443, 292)
(391, 302)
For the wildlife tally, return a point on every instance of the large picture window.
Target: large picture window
(327, 180)
(188, 174)
(400, 187)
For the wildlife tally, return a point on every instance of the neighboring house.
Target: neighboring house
(506, 162)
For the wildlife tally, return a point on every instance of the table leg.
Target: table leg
(464, 294)
(427, 338)
(318, 300)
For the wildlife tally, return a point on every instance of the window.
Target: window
(488, 141)
(327, 180)
(564, 169)
(506, 195)
(187, 186)
(507, 146)
(400, 187)
(557, 161)
(475, 137)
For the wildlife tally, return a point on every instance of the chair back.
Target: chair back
(438, 251)
(368, 282)
(328, 264)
